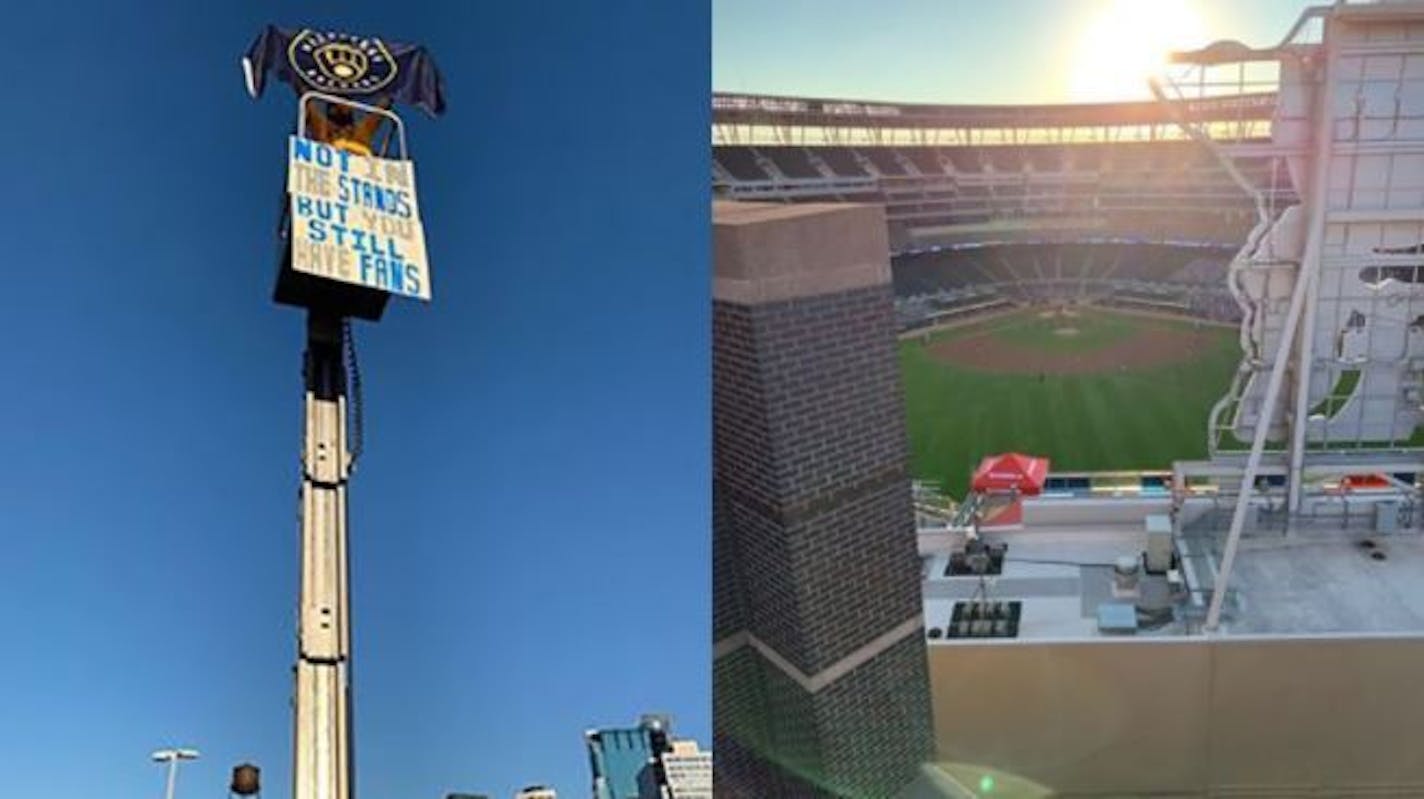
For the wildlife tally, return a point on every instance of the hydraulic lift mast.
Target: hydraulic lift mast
(344, 252)
(322, 757)
(323, 760)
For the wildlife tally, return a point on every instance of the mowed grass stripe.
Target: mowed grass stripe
(1093, 330)
(1142, 418)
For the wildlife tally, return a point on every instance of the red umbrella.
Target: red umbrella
(1010, 471)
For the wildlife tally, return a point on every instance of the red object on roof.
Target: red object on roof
(1010, 471)
(1004, 517)
(1365, 481)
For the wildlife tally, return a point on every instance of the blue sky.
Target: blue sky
(530, 522)
(952, 51)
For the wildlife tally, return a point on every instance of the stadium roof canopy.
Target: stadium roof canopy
(754, 109)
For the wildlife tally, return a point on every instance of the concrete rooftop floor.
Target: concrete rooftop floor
(1323, 583)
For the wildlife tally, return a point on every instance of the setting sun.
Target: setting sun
(1127, 42)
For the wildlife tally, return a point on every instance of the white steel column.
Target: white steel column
(1258, 444)
(1310, 264)
(321, 746)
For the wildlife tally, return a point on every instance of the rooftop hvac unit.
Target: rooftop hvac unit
(1159, 544)
(1386, 517)
(1125, 574)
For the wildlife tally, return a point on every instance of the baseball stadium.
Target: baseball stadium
(1060, 272)
(1158, 369)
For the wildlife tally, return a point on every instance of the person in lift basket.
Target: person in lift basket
(339, 126)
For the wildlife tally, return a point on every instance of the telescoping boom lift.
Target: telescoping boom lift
(350, 237)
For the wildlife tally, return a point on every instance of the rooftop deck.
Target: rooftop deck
(1060, 567)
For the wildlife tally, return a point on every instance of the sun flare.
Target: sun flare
(1126, 43)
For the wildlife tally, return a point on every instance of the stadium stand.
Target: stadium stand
(886, 161)
(927, 160)
(995, 206)
(791, 162)
(842, 161)
(933, 287)
(1174, 193)
(741, 164)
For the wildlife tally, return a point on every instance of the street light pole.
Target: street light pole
(172, 778)
(171, 757)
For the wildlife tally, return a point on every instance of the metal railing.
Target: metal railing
(397, 125)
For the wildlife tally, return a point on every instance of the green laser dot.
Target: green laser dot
(986, 784)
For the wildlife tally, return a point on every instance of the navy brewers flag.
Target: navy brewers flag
(360, 67)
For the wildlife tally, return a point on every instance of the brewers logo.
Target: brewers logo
(341, 63)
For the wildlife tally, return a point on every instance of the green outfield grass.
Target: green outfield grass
(1095, 330)
(1140, 418)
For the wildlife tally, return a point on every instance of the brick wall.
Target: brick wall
(813, 548)
(809, 472)
(862, 737)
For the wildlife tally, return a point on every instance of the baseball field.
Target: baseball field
(1092, 389)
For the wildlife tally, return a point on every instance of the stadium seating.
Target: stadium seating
(933, 286)
(741, 163)
(791, 161)
(1162, 191)
(886, 161)
(842, 161)
(927, 160)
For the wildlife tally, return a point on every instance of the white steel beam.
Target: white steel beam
(1258, 444)
(1309, 270)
